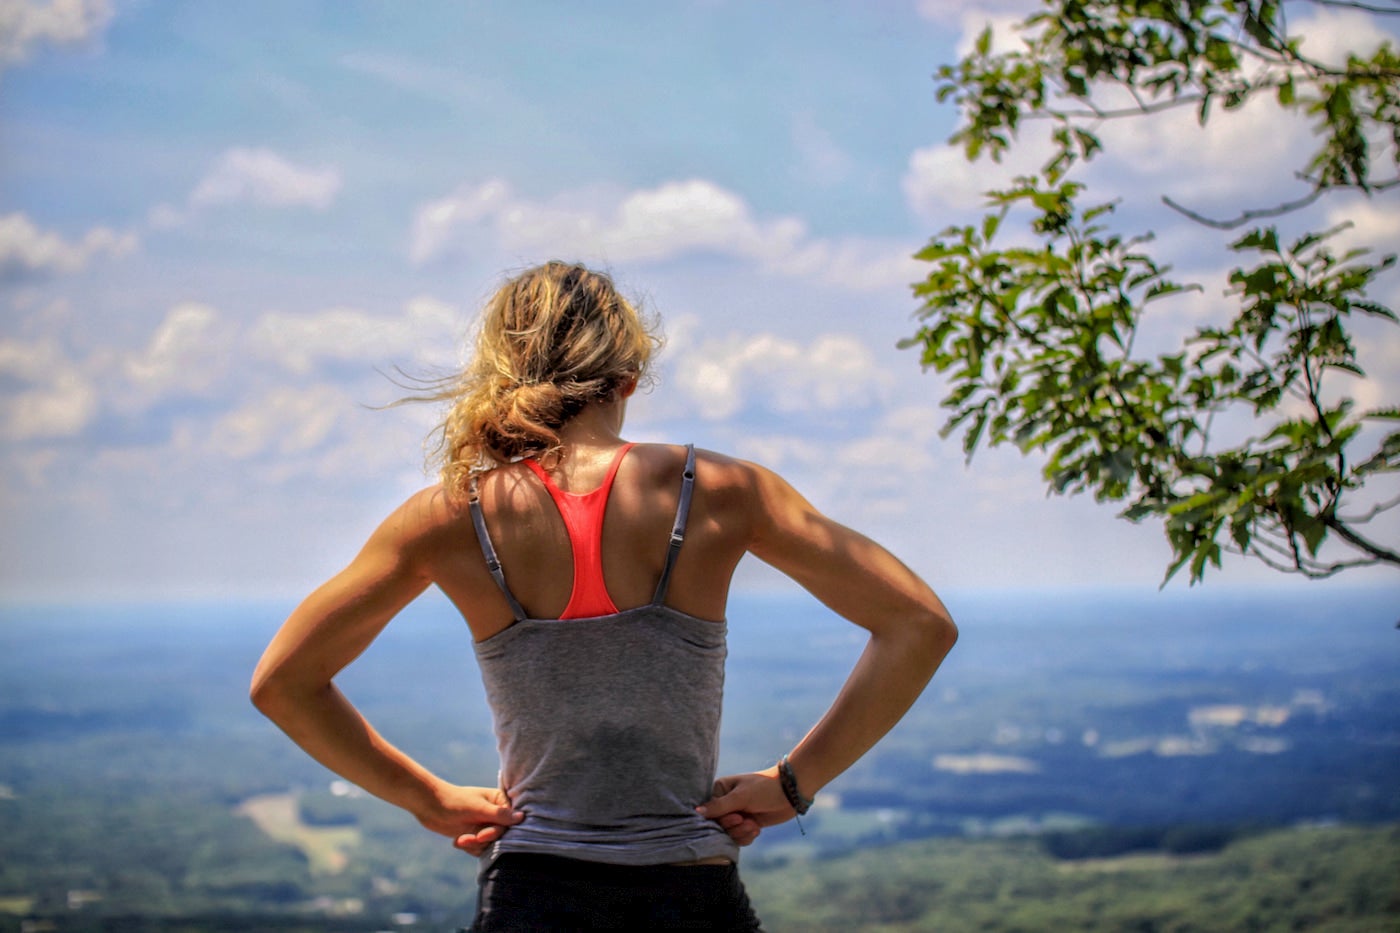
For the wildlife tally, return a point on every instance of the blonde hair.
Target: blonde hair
(550, 341)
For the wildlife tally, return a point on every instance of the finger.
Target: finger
(504, 816)
(476, 842)
(734, 801)
(741, 828)
(474, 849)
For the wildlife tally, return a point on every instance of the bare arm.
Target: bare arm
(293, 686)
(910, 634)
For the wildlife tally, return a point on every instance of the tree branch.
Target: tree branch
(1360, 543)
(1285, 208)
(1375, 510)
(1298, 562)
(1392, 10)
(1246, 216)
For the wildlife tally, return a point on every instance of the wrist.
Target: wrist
(424, 796)
(792, 788)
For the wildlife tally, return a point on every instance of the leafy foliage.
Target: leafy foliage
(1037, 342)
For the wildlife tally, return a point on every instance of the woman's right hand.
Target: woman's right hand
(472, 817)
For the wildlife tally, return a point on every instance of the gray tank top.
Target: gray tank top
(608, 727)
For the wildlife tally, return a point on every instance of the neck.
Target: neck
(598, 425)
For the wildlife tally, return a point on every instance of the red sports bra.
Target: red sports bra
(583, 519)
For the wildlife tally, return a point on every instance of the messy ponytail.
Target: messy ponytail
(550, 341)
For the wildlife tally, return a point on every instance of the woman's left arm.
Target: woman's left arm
(293, 685)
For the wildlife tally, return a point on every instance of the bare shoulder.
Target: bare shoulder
(716, 474)
(422, 520)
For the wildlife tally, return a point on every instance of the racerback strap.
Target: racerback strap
(678, 528)
(488, 550)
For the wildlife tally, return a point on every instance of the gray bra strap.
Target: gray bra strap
(488, 550)
(678, 529)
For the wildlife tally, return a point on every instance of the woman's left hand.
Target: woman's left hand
(745, 803)
(472, 817)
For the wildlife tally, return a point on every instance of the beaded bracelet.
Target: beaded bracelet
(788, 781)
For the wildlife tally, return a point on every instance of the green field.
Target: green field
(1328, 879)
(1337, 879)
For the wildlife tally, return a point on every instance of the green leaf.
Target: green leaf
(1313, 532)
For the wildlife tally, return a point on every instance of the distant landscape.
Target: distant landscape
(1095, 760)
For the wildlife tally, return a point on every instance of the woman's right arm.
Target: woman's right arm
(910, 634)
(294, 684)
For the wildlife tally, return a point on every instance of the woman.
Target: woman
(593, 575)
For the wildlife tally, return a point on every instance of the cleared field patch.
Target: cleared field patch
(327, 848)
(16, 905)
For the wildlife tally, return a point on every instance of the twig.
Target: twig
(1375, 510)
(1393, 10)
(1359, 542)
(1246, 216)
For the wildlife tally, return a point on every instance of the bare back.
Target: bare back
(533, 545)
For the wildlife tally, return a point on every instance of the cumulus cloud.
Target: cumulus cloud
(27, 250)
(1168, 153)
(298, 342)
(188, 352)
(285, 421)
(1245, 156)
(53, 399)
(25, 24)
(722, 376)
(1330, 36)
(264, 177)
(1370, 224)
(1241, 159)
(254, 176)
(651, 225)
(946, 11)
(940, 184)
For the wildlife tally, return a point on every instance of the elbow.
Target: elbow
(262, 693)
(268, 693)
(937, 633)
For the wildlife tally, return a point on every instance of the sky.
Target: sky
(224, 227)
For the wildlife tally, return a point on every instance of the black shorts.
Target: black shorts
(523, 891)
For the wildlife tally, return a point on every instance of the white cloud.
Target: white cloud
(1006, 37)
(425, 332)
(961, 10)
(651, 225)
(1374, 224)
(25, 249)
(1245, 158)
(941, 185)
(1241, 157)
(189, 352)
(437, 222)
(285, 421)
(264, 177)
(56, 400)
(25, 24)
(1330, 36)
(834, 371)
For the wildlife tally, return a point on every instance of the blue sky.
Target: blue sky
(219, 223)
